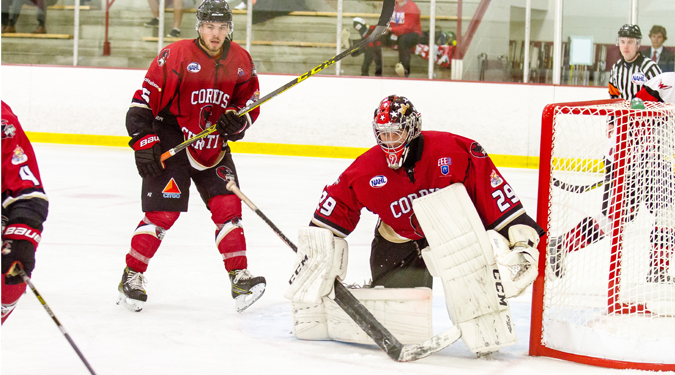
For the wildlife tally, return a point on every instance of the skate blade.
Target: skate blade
(244, 301)
(131, 304)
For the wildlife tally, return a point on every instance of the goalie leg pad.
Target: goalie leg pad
(405, 312)
(310, 321)
(460, 254)
(321, 259)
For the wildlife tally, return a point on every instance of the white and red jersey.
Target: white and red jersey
(186, 83)
(659, 89)
(446, 159)
(406, 19)
(21, 183)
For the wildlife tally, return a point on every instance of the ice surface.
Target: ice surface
(189, 324)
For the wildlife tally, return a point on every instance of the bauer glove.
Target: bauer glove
(231, 126)
(148, 154)
(19, 243)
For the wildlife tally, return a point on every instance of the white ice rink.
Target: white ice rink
(189, 325)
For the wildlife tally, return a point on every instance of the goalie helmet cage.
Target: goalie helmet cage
(610, 307)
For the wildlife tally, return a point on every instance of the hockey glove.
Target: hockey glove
(148, 154)
(231, 126)
(19, 243)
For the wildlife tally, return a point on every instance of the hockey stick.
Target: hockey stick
(577, 188)
(385, 17)
(17, 270)
(361, 315)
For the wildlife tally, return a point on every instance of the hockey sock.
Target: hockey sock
(587, 232)
(147, 238)
(230, 240)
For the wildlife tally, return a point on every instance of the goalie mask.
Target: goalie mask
(215, 11)
(396, 124)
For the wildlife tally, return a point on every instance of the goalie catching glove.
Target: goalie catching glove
(322, 258)
(517, 258)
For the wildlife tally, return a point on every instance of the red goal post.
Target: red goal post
(605, 294)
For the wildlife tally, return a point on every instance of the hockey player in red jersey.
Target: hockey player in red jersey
(444, 211)
(647, 166)
(188, 87)
(24, 208)
(409, 163)
(406, 27)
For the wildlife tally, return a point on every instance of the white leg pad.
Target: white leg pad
(460, 254)
(321, 259)
(405, 312)
(310, 321)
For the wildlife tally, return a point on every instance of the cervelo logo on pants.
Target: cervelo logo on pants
(171, 190)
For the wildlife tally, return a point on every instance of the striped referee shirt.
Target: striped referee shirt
(626, 79)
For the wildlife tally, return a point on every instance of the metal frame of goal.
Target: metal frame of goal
(607, 201)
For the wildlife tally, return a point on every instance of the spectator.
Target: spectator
(406, 27)
(12, 9)
(177, 17)
(658, 53)
(371, 52)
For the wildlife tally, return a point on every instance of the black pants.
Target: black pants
(170, 191)
(398, 265)
(370, 54)
(405, 43)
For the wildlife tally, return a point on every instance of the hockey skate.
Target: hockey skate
(246, 288)
(131, 288)
(556, 258)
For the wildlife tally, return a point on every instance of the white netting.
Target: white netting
(610, 288)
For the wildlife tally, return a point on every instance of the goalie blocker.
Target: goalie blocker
(479, 271)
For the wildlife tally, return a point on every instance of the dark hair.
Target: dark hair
(658, 29)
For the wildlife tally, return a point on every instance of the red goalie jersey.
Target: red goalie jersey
(445, 159)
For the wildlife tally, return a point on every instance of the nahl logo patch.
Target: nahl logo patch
(378, 181)
(171, 190)
(639, 78)
(194, 67)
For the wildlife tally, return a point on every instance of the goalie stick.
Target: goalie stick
(385, 17)
(361, 315)
(578, 188)
(17, 270)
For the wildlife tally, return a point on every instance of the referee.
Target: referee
(633, 69)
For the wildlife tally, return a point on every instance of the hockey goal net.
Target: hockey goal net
(605, 294)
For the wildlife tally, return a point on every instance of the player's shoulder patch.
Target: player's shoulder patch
(477, 150)
(8, 130)
(163, 56)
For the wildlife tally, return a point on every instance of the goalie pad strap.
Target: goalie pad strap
(460, 254)
(321, 258)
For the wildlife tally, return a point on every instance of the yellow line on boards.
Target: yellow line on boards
(506, 161)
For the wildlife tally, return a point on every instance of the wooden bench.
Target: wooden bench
(37, 36)
(254, 42)
(330, 14)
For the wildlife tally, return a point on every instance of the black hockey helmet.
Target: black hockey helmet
(630, 31)
(214, 11)
(397, 119)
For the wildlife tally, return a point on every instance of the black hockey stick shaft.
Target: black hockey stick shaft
(350, 304)
(18, 270)
(385, 17)
(361, 315)
(576, 188)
